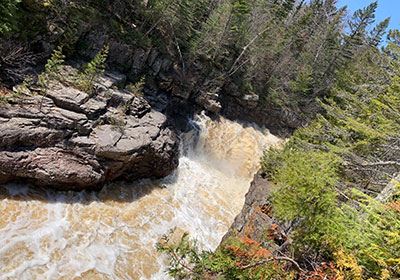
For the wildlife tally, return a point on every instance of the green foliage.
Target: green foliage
(92, 71)
(24, 88)
(18, 93)
(184, 257)
(52, 69)
(238, 41)
(303, 82)
(83, 80)
(9, 16)
(362, 18)
(54, 64)
(327, 175)
(378, 32)
(137, 88)
(96, 66)
(372, 235)
(305, 192)
(228, 262)
(240, 13)
(117, 121)
(289, 53)
(214, 32)
(7, 97)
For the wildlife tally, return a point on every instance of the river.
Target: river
(111, 234)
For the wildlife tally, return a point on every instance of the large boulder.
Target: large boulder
(71, 140)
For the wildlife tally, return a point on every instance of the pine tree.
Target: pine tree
(378, 32)
(353, 42)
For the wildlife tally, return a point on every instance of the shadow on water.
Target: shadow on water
(120, 191)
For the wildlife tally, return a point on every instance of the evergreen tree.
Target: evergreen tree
(8, 15)
(378, 32)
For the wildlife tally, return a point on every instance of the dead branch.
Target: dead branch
(179, 50)
(160, 19)
(273, 259)
(16, 60)
(374, 164)
(388, 191)
(247, 46)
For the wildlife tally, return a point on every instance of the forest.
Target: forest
(333, 76)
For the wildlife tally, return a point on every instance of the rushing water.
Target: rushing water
(111, 234)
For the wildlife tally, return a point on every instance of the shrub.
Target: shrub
(52, 68)
(8, 16)
(92, 71)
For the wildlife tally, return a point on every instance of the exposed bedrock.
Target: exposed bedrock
(256, 218)
(71, 140)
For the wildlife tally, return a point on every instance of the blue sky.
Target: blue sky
(386, 8)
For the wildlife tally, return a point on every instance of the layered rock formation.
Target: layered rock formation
(71, 140)
(256, 219)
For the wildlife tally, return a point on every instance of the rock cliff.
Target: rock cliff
(72, 140)
(256, 219)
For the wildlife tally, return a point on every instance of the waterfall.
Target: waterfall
(111, 234)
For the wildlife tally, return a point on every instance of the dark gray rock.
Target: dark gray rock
(209, 101)
(249, 100)
(70, 140)
(165, 82)
(166, 64)
(152, 57)
(110, 80)
(139, 60)
(105, 139)
(181, 93)
(119, 97)
(120, 54)
(156, 66)
(139, 107)
(158, 100)
(53, 167)
(390, 189)
(94, 42)
(58, 118)
(28, 132)
(94, 107)
(67, 97)
(256, 216)
(83, 141)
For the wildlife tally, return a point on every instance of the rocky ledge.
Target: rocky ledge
(256, 220)
(68, 139)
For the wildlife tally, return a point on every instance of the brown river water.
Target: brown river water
(111, 234)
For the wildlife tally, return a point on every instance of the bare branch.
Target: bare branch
(247, 46)
(389, 189)
(273, 259)
(373, 164)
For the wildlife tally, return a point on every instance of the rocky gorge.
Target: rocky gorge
(68, 139)
(87, 140)
(131, 131)
(64, 138)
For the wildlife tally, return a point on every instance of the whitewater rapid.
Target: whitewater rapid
(111, 234)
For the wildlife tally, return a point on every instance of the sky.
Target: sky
(386, 8)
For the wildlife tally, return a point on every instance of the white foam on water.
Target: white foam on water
(112, 234)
